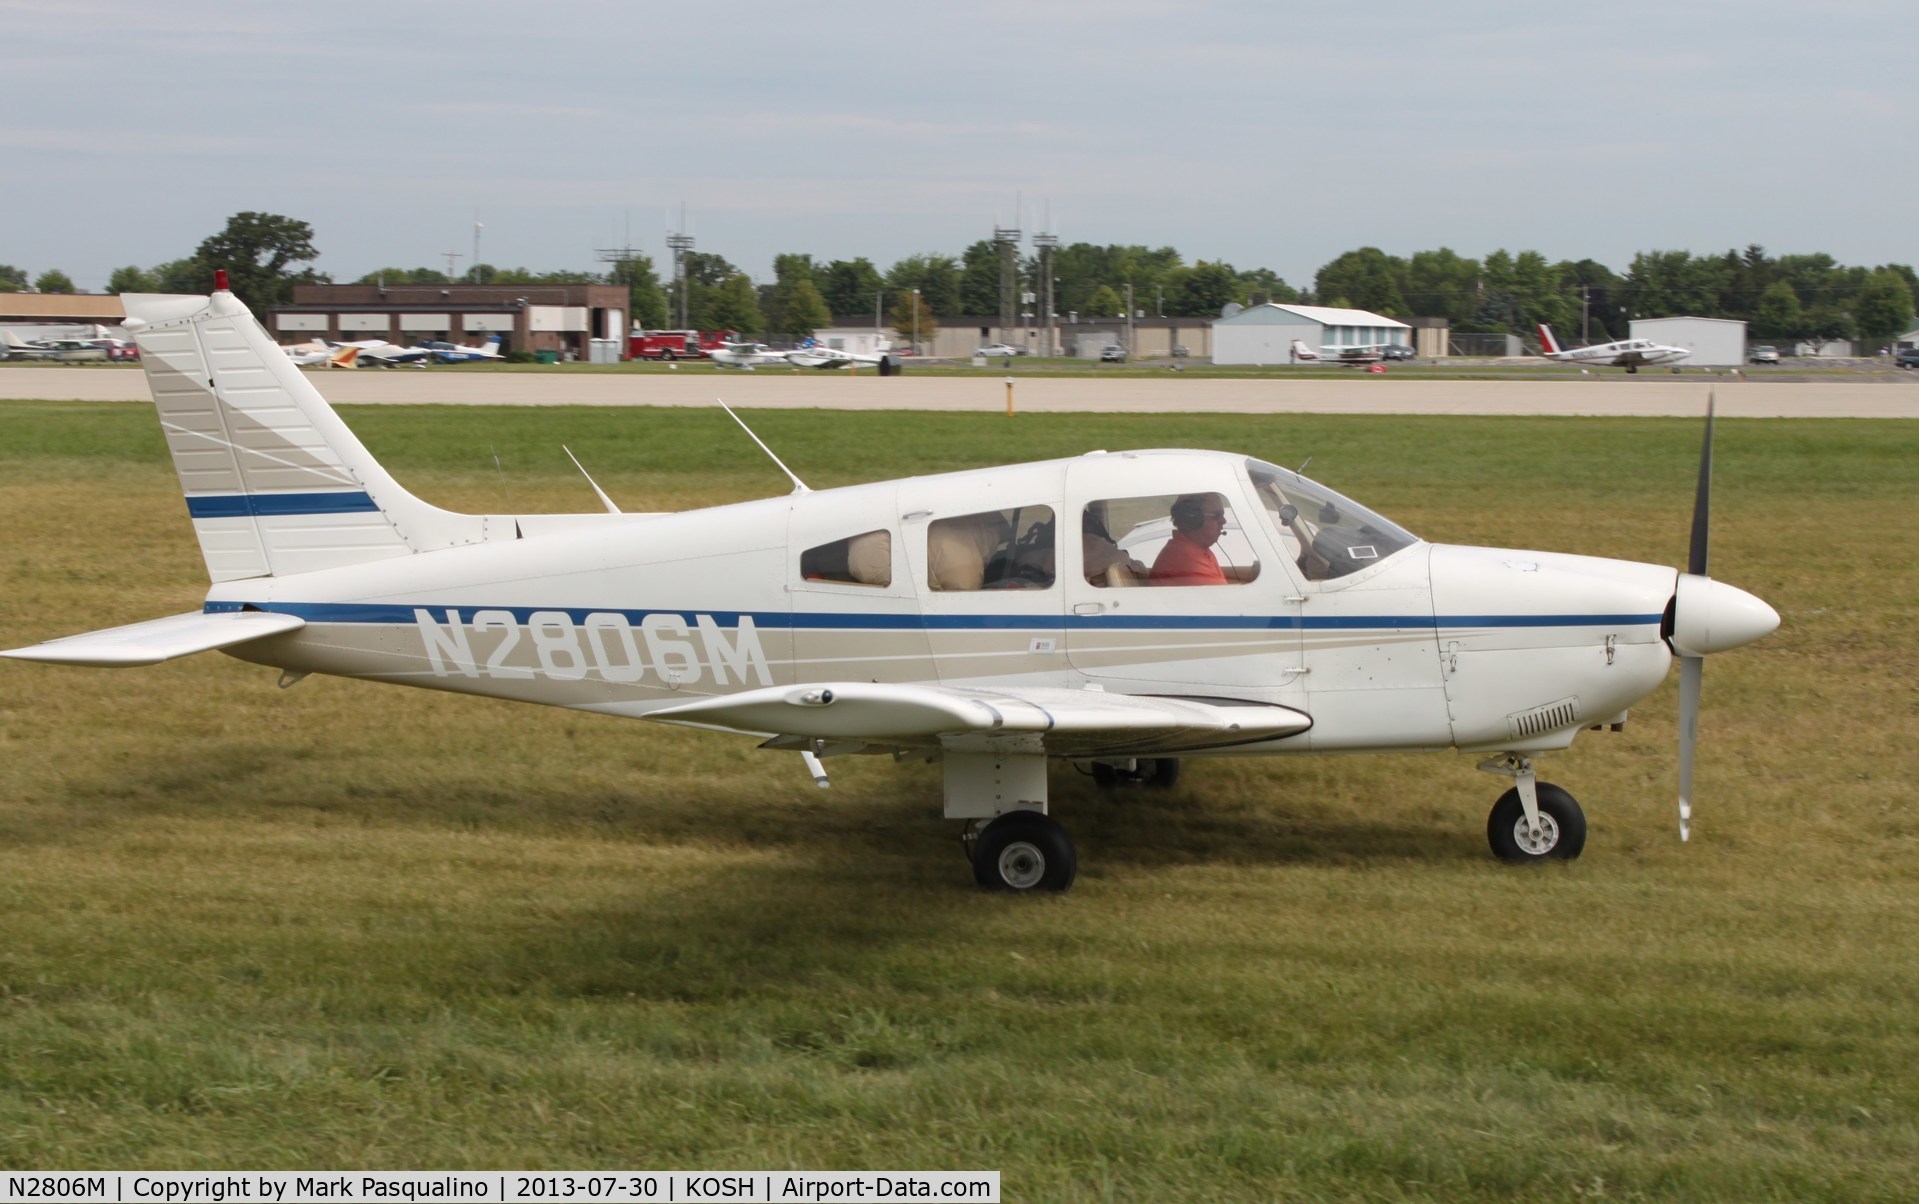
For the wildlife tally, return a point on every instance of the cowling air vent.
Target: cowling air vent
(1563, 713)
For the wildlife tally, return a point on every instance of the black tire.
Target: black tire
(1562, 827)
(1157, 772)
(667, 355)
(1024, 851)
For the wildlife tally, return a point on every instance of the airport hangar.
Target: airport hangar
(1264, 334)
(1714, 342)
(578, 321)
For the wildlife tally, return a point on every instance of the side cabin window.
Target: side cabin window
(995, 549)
(863, 559)
(1165, 539)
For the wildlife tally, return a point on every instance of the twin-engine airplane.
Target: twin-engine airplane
(1629, 354)
(1117, 610)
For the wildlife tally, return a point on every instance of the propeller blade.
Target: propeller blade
(1692, 673)
(1702, 501)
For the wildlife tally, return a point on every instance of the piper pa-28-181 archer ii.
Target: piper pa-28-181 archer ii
(1629, 354)
(1115, 610)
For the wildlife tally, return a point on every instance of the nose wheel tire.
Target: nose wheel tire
(1562, 827)
(1024, 851)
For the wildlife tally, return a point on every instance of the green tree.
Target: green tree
(259, 252)
(1256, 287)
(646, 299)
(1826, 321)
(1202, 290)
(805, 312)
(1366, 279)
(937, 277)
(1104, 302)
(187, 275)
(852, 286)
(132, 279)
(1778, 315)
(405, 276)
(734, 305)
(12, 279)
(979, 279)
(1883, 308)
(1441, 284)
(705, 272)
(912, 319)
(53, 280)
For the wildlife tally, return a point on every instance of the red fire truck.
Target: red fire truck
(675, 344)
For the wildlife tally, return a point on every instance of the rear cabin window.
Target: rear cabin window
(994, 549)
(863, 559)
(1165, 539)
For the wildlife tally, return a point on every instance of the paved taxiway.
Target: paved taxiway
(699, 385)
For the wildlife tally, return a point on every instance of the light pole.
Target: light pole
(916, 321)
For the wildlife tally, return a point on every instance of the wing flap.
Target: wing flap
(1064, 722)
(158, 640)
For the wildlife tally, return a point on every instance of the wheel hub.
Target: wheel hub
(1537, 845)
(1022, 865)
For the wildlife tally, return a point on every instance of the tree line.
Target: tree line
(1786, 296)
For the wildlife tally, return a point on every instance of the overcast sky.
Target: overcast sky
(1266, 134)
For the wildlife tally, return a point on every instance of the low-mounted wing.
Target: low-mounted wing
(158, 640)
(1068, 723)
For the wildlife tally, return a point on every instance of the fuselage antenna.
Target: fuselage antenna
(799, 486)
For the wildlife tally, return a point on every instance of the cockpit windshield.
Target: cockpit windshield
(1327, 535)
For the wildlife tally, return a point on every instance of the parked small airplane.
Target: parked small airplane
(1354, 354)
(1115, 610)
(382, 354)
(307, 355)
(65, 351)
(811, 354)
(746, 355)
(457, 353)
(1629, 354)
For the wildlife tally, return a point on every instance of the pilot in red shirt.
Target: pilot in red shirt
(1187, 558)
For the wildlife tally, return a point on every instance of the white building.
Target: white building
(1264, 334)
(1714, 342)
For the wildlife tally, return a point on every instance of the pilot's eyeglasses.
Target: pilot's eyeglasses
(1213, 516)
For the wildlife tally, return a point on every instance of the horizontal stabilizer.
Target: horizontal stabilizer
(158, 640)
(1065, 722)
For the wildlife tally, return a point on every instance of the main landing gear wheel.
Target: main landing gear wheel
(1158, 772)
(1022, 851)
(1562, 827)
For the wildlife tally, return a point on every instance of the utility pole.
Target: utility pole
(451, 256)
(1585, 314)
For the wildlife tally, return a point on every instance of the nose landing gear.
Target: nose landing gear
(1534, 821)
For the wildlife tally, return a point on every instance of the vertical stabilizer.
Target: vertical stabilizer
(275, 483)
(1547, 343)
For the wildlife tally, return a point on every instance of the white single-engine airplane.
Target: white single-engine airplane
(1629, 354)
(811, 354)
(1117, 610)
(746, 355)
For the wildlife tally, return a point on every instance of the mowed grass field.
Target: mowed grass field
(356, 926)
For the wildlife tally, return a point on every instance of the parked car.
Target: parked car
(995, 350)
(1763, 354)
(1179, 351)
(1397, 351)
(1112, 353)
(1906, 357)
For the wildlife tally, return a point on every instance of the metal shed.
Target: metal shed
(1714, 342)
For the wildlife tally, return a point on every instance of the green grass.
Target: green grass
(345, 925)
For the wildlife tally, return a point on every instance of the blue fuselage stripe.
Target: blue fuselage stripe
(250, 505)
(400, 613)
